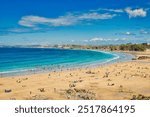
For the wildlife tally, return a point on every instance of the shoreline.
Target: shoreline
(118, 58)
(114, 81)
(118, 81)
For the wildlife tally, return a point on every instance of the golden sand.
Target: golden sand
(116, 81)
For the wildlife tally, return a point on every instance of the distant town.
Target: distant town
(122, 47)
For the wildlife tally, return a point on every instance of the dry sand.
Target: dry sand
(125, 80)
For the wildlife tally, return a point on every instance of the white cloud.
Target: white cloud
(112, 10)
(144, 32)
(32, 21)
(72, 40)
(96, 16)
(126, 33)
(116, 10)
(129, 33)
(86, 40)
(67, 20)
(18, 30)
(97, 39)
(136, 12)
(73, 19)
(109, 10)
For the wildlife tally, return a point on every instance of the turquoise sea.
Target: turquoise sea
(19, 60)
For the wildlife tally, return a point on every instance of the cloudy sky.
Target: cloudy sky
(74, 21)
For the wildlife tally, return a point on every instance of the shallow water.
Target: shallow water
(19, 60)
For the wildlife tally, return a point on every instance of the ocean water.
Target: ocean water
(17, 60)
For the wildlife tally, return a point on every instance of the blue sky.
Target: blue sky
(74, 21)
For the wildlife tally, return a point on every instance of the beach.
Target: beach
(117, 81)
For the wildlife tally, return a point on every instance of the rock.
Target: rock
(143, 57)
(8, 90)
(140, 97)
(18, 81)
(112, 84)
(72, 85)
(38, 97)
(79, 94)
(89, 72)
(41, 89)
(25, 78)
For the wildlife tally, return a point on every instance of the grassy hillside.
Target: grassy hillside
(123, 47)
